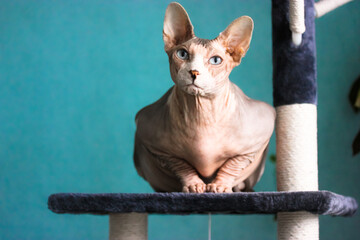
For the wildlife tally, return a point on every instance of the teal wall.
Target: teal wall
(74, 73)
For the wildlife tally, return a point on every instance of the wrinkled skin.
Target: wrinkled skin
(204, 134)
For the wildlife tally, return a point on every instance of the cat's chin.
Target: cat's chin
(194, 90)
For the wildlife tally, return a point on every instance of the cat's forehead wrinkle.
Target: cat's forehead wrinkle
(204, 42)
(204, 46)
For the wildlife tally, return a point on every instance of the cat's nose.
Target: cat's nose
(194, 73)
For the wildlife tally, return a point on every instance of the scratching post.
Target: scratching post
(296, 148)
(128, 226)
(295, 99)
(297, 166)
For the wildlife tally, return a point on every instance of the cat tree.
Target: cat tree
(298, 201)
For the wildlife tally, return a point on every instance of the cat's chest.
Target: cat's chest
(208, 149)
(212, 145)
(208, 146)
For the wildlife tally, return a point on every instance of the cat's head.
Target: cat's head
(201, 66)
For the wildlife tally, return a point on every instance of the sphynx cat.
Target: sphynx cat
(204, 134)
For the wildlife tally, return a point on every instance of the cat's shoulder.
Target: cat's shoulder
(263, 109)
(153, 110)
(258, 114)
(150, 120)
(255, 107)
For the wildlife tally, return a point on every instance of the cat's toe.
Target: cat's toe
(211, 187)
(200, 187)
(218, 188)
(194, 188)
(185, 189)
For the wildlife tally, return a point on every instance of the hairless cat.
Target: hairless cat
(204, 134)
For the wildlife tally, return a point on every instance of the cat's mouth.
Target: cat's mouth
(193, 85)
(193, 89)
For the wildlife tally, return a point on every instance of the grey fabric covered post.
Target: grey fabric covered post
(294, 68)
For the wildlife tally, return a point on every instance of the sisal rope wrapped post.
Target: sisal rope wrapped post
(297, 20)
(128, 226)
(295, 99)
(296, 166)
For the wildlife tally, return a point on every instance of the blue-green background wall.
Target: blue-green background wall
(73, 74)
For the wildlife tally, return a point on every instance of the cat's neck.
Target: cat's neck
(196, 110)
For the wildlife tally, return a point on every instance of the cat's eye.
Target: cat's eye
(215, 60)
(182, 54)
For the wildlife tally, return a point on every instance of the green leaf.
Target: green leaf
(272, 158)
(356, 144)
(354, 95)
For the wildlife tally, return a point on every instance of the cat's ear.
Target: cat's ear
(177, 26)
(237, 36)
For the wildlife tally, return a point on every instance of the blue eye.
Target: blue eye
(215, 60)
(182, 54)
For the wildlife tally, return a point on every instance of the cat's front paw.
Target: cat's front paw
(218, 188)
(194, 188)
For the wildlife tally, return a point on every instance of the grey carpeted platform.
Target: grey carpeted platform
(320, 202)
